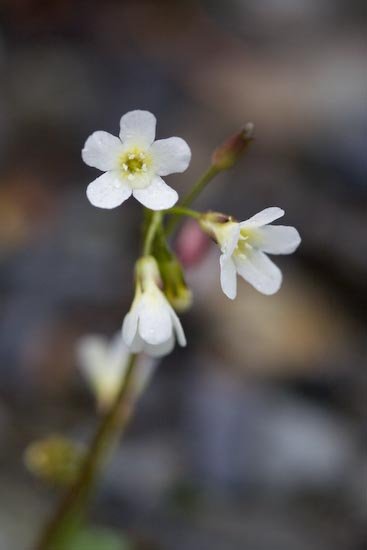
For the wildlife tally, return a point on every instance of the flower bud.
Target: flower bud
(227, 154)
(177, 292)
(55, 459)
(191, 244)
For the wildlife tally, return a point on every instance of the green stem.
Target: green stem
(189, 198)
(182, 211)
(199, 186)
(70, 511)
(155, 222)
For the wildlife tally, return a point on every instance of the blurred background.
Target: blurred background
(254, 436)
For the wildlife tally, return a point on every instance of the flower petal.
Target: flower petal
(170, 155)
(161, 349)
(262, 218)
(278, 239)
(157, 196)
(102, 150)
(138, 126)
(228, 276)
(155, 324)
(231, 234)
(137, 345)
(258, 270)
(181, 338)
(108, 191)
(130, 326)
(92, 353)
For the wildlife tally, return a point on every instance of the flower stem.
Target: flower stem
(71, 509)
(155, 222)
(199, 185)
(196, 189)
(182, 211)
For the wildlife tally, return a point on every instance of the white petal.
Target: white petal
(155, 325)
(170, 155)
(102, 150)
(92, 355)
(130, 326)
(258, 270)
(108, 191)
(117, 347)
(137, 345)
(181, 338)
(138, 127)
(279, 239)
(262, 218)
(157, 196)
(231, 232)
(91, 348)
(228, 277)
(161, 349)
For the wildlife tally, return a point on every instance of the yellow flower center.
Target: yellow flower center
(135, 165)
(245, 243)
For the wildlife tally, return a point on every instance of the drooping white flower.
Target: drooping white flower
(151, 326)
(104, 363)
(245, 246)
(134, 163)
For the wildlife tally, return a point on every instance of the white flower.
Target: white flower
(151, 324)
(134, 163)
(245, 246)
(104, 363)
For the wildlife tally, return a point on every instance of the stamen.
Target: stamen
(134, 165)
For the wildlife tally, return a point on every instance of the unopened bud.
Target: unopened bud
(227, 154)
(191, 244)
(175, 288)
(56, 459)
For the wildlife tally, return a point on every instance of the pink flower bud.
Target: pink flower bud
(227, 154)
(191, 244)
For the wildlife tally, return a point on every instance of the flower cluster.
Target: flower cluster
(134, 164)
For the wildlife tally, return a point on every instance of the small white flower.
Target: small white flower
(245, 246)
(103, 363)
(134, 163)
(151, 324)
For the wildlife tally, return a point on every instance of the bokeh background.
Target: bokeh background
(254, 437)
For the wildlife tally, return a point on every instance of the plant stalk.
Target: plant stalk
(70, 511)
(189, 198)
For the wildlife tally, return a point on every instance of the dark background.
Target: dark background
(254, 437)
